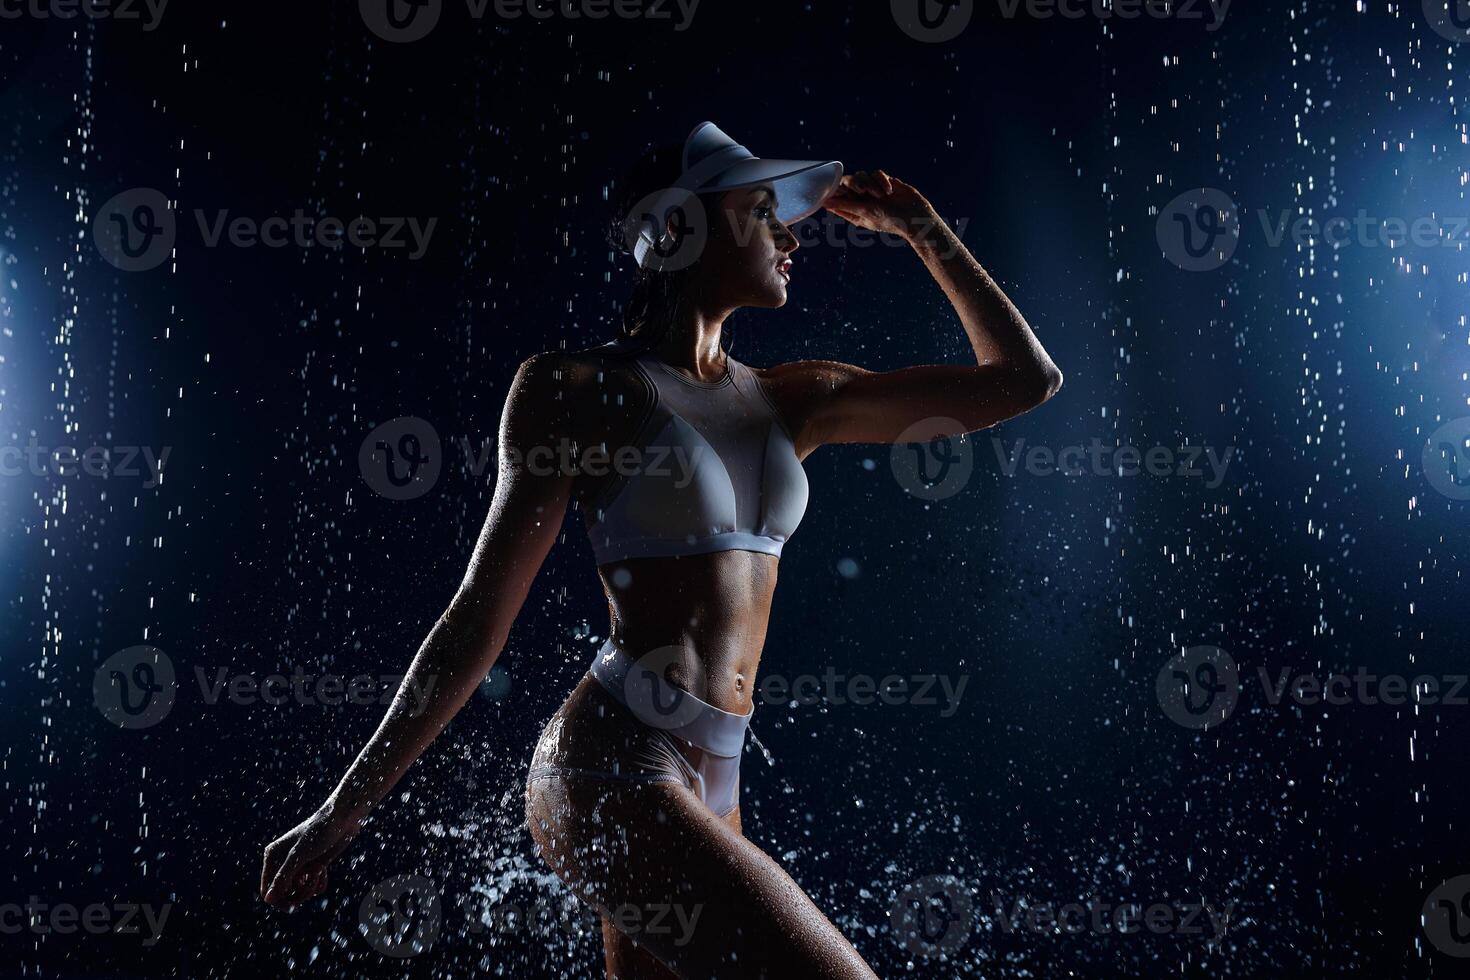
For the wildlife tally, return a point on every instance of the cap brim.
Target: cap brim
(800, 185)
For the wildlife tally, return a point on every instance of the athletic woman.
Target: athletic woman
(687, 467)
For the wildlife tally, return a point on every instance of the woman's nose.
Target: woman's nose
(786, 239)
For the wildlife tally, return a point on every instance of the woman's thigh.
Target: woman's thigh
(682, 884)
(625, 960)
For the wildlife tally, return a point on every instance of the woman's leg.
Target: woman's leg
(625, 961)
(682, 884)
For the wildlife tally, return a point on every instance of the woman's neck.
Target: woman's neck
(692, 342)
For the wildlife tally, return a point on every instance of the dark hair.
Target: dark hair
(654, 299)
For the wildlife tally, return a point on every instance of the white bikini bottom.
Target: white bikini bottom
(668, 714)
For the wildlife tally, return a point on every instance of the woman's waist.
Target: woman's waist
(609, 726)
(715, 662)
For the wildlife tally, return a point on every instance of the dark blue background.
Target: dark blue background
(1059, 779)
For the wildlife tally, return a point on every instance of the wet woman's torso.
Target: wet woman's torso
(715, 607)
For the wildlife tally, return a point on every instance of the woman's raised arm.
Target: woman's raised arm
(831, 402)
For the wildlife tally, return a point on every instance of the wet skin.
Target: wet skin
(650, 843)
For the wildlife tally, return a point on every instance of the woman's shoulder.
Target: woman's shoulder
(794, 383)
(586, 389)
(568, 373)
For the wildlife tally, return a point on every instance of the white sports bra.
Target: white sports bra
(712, 468)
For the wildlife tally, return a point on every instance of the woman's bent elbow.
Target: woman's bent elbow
(1039, 384)
(1052, 382)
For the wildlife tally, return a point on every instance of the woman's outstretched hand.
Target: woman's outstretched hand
(295, 868)
(881, 203)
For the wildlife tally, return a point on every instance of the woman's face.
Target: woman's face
(746, 261)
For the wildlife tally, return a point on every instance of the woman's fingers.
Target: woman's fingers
(311, 882)
(277, 858)
(303, 886)
(283, 879)
(295, 866)
(878, 183)
(267, 869)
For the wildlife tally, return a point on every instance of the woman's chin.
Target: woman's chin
(766, 292)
